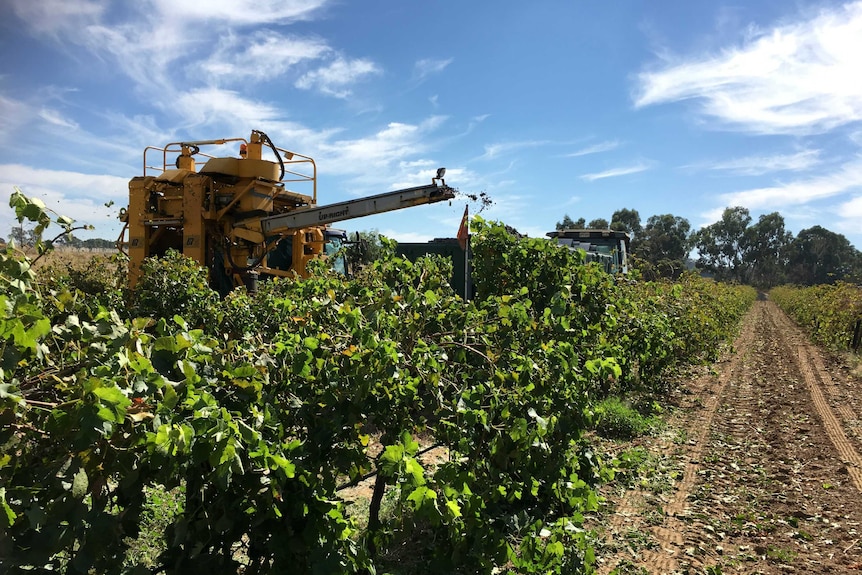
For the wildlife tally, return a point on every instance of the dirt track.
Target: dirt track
(760, 471)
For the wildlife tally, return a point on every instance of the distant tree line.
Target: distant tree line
(761, 253)
(24, 237)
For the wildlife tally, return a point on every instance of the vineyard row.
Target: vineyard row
(257, 408)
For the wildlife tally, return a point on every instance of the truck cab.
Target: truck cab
(608, 247)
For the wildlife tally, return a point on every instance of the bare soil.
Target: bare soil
(759, 470)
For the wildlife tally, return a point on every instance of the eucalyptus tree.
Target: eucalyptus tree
(765, 248)
(664, 243)
(721, 245)
(626, 220)
(569, 224)
(818, 256)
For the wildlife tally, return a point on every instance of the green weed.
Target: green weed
(160, 511)
(615, 419)
(780, 555)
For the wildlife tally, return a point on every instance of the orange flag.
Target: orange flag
(464, 230)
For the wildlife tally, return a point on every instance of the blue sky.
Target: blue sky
(549, 107)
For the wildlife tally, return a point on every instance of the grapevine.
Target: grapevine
(831, 313)
(260, 408)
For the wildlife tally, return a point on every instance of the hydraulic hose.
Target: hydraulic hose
(265, 139)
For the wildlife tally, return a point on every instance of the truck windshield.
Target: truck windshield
(608, 254)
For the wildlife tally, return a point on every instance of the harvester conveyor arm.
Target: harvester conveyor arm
(358, 208)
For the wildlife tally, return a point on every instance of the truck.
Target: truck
(246, 215)
(610, 248)
(448, 248)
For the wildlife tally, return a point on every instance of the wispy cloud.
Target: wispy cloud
(56, 118)
(616, 172)
(241, 12)
(206, 105)
(156, 39)
(760, 165)
(335, 79)
(61, 17)
(264, 56)
(384, 157)
(845, 179)
(64, 138)
(56, 17)
(428, 67)
(595, 149)
(797, 78)
(502, 148)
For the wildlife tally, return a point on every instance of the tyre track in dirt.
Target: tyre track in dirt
(668, 539)
(840, 429)
(834, 427)
(770, 476)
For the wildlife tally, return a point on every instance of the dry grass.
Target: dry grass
(76, 258)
